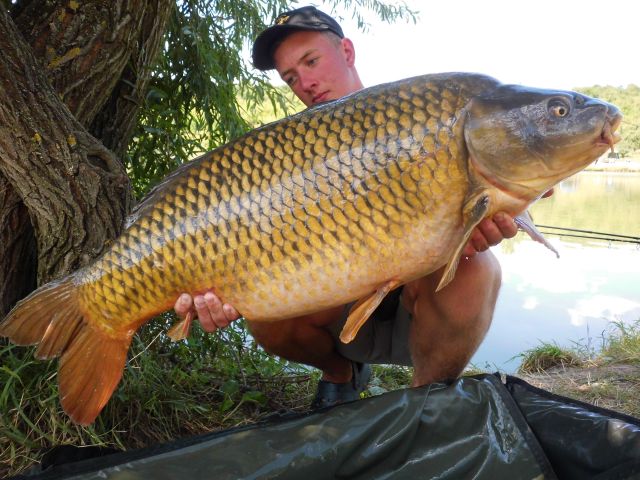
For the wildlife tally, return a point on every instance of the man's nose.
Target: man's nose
(307, 82)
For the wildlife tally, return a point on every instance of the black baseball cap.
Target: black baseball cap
(305, 18)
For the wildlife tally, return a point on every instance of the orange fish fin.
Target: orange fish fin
(89, 371)
(30, 320)
(180, 330)
(91, 361)
(362, 310)
(473, 211)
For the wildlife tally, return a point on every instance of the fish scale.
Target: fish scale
(343, 201)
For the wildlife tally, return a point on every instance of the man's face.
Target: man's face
(316, 66)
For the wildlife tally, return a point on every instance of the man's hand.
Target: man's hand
(211, 312)
(491, 231)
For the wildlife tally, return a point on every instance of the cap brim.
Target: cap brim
(262, 48)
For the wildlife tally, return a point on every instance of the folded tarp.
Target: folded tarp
(481, 427)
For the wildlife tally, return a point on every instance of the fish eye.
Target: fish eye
(558, 108)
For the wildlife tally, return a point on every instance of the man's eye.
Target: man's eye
(290, 80)
(312, 61)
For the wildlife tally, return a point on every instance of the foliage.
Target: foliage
(203, 85)
(627, 99)
(192, 101)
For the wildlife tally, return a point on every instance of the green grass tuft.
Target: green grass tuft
(546, 356)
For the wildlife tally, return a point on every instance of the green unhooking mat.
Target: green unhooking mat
(478, 427)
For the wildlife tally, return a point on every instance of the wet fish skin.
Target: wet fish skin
(342, 201)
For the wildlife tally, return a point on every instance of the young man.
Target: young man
(435, 333)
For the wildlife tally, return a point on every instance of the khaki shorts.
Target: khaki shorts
(384, 338)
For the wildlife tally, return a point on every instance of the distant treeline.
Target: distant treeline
(627, 99)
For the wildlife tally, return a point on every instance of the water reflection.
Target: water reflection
(574, 298)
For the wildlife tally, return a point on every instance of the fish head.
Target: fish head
(525, 140)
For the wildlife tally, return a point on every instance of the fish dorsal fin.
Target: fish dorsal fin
(473, 211)
(362, 310)
(525, 223)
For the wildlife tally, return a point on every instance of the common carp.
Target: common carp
(343, 201)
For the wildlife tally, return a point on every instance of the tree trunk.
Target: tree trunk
(115, 123)
(17, 248)
(75, 191)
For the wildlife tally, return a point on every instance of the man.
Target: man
(435, 333)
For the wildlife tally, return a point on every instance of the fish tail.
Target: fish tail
(91, 361)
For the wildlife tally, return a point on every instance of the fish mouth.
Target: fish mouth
(609, 136)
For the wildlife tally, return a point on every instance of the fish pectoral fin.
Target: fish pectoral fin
(525, 223)
(362, 310)
(473, 211)
(180, 330)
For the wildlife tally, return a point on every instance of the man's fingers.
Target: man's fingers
(209, 309)
(183, 305)
(506, 226)
(490, 232)
(230, 312)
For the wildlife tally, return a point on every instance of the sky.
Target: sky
(560, 44)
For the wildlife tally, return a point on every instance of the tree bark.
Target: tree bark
(115, 123)
(96, 56)
(17, 251)
(76, 192)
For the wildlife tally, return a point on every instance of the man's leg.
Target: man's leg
(306, 340)
(448, 326)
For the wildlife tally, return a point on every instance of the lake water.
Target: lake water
(572, 299)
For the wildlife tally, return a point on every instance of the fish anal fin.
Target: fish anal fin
(526, 224)
(362, 310)
(473, 211)
(89, 371)
(180, 330)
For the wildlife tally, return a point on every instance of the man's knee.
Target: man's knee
(470, 297)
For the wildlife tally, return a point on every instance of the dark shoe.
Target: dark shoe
(330, 394)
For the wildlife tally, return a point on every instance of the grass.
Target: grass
(168, 391)
(546, 356)
(609, 379)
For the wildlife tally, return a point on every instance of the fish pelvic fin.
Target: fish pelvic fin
(362, 310)
(91, 362)
(473, 211)
(525, 223)
(180, 330)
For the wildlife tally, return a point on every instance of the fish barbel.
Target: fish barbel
(346, 200)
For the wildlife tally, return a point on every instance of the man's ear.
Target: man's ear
(349, 51)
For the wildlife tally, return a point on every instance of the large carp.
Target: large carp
(344, 201)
